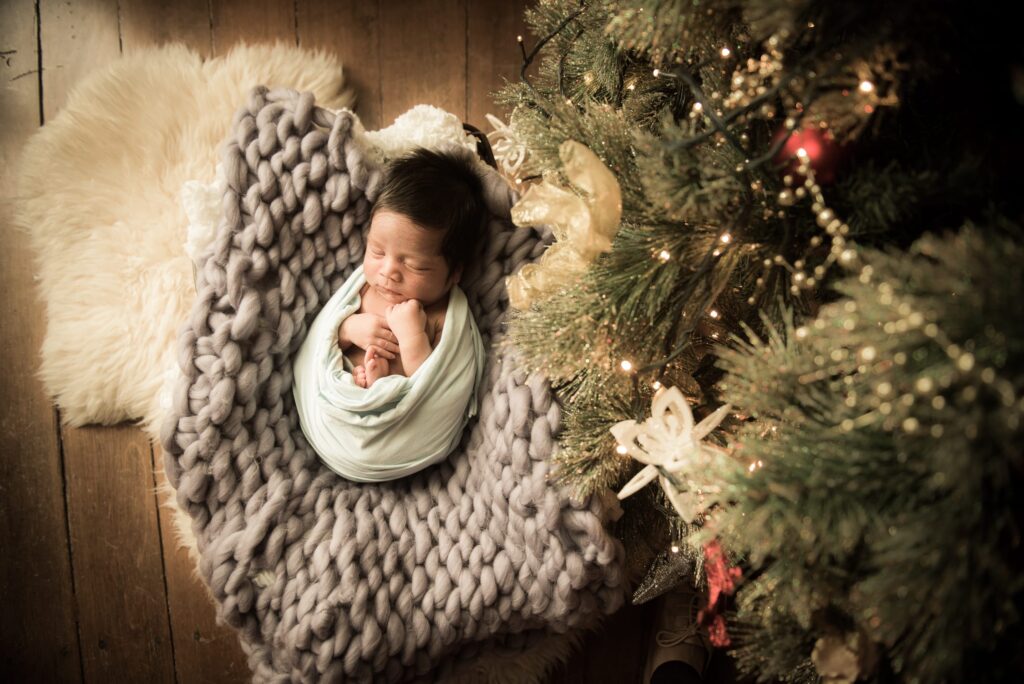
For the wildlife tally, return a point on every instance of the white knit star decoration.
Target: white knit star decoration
(509, 149)
(669, 442)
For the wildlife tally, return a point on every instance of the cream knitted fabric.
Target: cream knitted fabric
(333, 580)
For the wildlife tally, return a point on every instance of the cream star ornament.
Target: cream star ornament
(671, 445)
(509, 150)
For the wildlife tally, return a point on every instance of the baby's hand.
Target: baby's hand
(407, 320)
(364, 330)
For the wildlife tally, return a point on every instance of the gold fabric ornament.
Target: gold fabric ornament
(583, 226)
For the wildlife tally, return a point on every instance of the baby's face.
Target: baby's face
(404, 261)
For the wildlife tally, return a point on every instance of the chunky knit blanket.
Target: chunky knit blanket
(332, 580)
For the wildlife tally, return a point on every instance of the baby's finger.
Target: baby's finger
(384, 333)
(386, 349)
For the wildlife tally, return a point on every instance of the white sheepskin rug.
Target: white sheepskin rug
(98, 192)
(120, 190)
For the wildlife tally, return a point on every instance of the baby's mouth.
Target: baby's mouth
(387, 292)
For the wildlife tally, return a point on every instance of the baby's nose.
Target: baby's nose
(390, 270)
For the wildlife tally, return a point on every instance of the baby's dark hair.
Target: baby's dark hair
(441, 191)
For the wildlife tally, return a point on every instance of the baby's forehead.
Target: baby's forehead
(400, 231)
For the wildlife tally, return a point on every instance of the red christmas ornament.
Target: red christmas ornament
(721, 580)
(823, 152)
(717, 634)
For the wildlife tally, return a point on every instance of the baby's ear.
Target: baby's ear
(456, 275)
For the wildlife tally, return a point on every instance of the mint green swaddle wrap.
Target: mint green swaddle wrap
(400, 424)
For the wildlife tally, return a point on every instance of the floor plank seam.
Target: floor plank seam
(39, 59)
(67, 536)
(120, 32)
(163, 560)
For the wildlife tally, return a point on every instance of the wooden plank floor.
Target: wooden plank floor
(93, 587)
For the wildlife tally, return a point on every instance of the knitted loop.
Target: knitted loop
(326, 578)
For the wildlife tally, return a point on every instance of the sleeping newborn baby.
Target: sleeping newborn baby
(403, 302)
(386, 378)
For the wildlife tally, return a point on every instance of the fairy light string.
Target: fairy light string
(755, 83)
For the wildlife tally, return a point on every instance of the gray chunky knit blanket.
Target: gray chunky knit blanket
(332, 580)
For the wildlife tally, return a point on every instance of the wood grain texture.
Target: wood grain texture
(116, 553)
(252, 21)
(148, 23)
(423, 56)
(350, 30)
(77, 37)
(37, 625)
(493, 55)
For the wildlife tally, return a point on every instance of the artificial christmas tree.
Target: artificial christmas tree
(804, 242)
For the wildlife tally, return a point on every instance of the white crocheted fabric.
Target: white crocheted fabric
(327, 579)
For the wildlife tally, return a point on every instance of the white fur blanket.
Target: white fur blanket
(98, 191)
